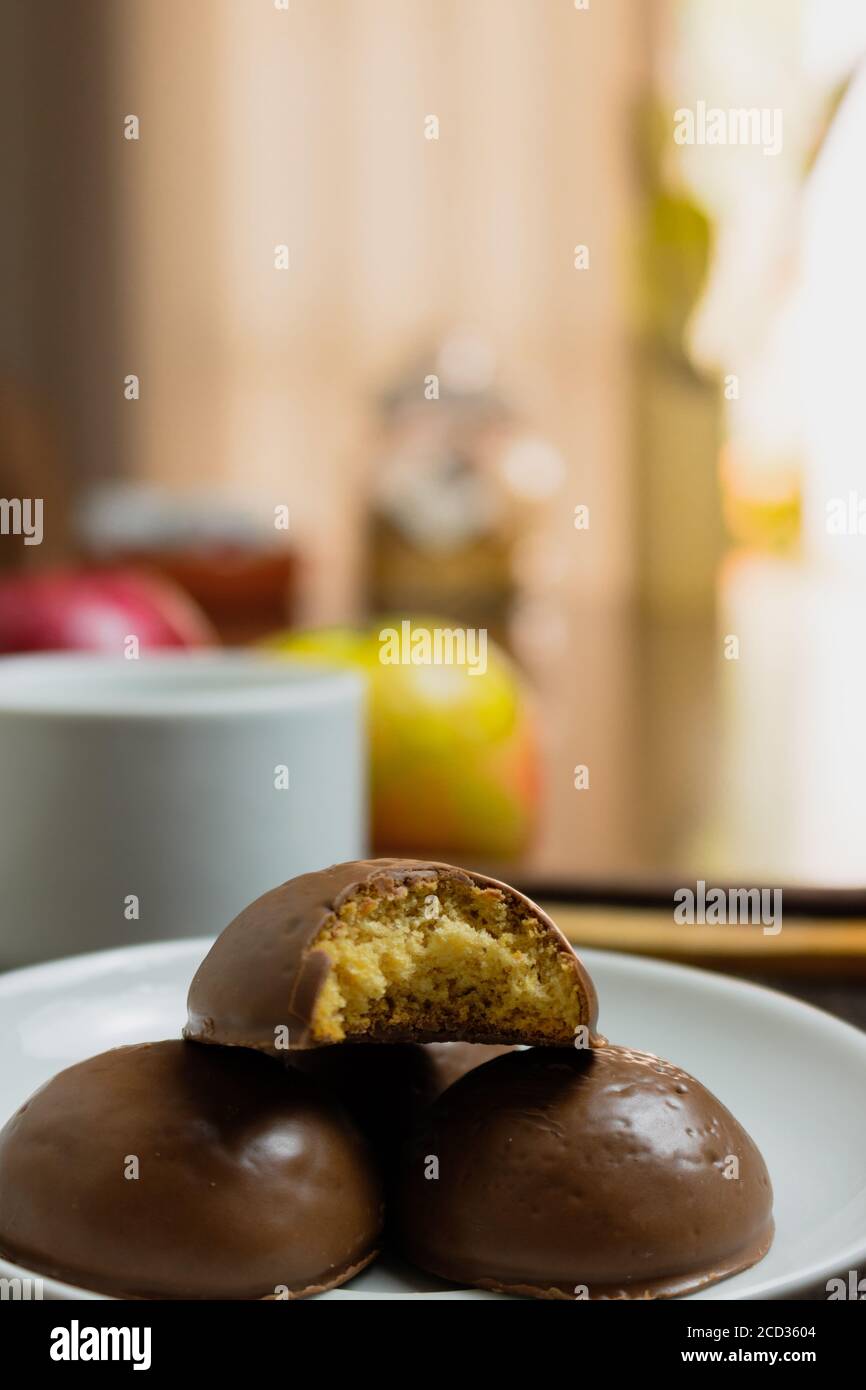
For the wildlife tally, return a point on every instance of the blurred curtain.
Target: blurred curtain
(261, 126)
(60, 359)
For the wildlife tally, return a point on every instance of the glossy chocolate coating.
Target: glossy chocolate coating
(262, 972)
(592, 1174)
(251, 1178)
(451, 1060)
(386, 1087)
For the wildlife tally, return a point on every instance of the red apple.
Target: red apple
(97, 610)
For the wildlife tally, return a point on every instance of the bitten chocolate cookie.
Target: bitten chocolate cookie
(168, 1170)
(390, 950)
(601, 1174)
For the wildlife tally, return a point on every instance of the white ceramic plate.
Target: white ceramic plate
(795, 1077)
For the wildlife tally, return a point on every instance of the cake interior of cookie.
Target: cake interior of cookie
(443, 956)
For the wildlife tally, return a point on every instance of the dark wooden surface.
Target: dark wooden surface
(821, 960)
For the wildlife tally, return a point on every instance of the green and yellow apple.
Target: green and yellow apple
(453, 755)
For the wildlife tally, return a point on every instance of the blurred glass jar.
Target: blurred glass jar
(455, 486)
(221, 548)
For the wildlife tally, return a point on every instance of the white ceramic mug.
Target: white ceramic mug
(142, 800)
